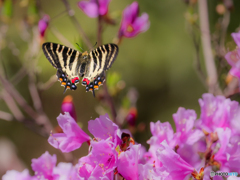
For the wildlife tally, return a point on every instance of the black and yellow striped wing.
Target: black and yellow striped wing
(101, 60)
(72, 64)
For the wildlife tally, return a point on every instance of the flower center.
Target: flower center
(130, 28)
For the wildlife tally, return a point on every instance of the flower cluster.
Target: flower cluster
(233, 57)
(199, 146)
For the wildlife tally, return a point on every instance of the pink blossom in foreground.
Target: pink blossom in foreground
(184, 120)
(236, 37)
(233, 57)
(43, 24)
(216, 112)
(103, 128)
(12, 175)
(102, 160)
(94, 8)
(131, 24)
(160, 132)
(174, 164)
(66, 171)
(185, 154)
(71, 138)
(44, 165)
(224, 138)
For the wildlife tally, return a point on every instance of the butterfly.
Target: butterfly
(72, 64)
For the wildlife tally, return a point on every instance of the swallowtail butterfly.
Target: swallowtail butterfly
(72, 64)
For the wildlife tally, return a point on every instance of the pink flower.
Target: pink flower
(71, 138)
(43, 24)
(102, 127)
(127, 164)
(160, 132)
(44, 165)
(184, 120)
(216, 112)
(94, 8)
(224, 138)
(66, 171)
(68, 106)
(100, 162)
(236, 37)
(131, 24)
(174, 164)
(12, 175)
(233, 57)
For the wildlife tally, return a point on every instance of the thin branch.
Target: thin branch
(6, 116)
(12, 106)
(110, 102)
(60, 36)
(224, 26)
(34, 94)
(20, 100)
(48, 84)
(207, 49)
(19, 76)
(197, 63)
(76, 23)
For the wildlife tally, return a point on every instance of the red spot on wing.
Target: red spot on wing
(74, 79)
(86, 80)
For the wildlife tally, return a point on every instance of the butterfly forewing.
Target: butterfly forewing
(61, 57)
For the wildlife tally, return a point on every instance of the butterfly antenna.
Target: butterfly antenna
(94, 45)
(93, 92)
(79, 46)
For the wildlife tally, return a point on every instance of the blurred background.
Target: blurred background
(157, 69)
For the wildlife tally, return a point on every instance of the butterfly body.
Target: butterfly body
(72, 64)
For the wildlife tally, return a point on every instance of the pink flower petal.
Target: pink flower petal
(90, 8)
(236, 37)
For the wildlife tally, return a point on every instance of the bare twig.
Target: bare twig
(20, 100)
(19, 76)
(197, 63)
(224, 26)
(6, 116)
(34, 94)
(207, 50)
(48, 84)
(12, 106)
(60, 36)
(76, 23)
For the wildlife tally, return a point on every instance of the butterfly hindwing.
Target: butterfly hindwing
(71, 64)
(101, 60)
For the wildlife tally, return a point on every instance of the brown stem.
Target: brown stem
(12, 105)
(34, 94)
(76, 23)
(6, 116)
(199, 70)
(207, 49)
(20, 100)
(107, 95)
(48, 84)
(60, 36)
(110, 102)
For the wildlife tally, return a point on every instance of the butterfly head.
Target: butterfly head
(85, 55)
